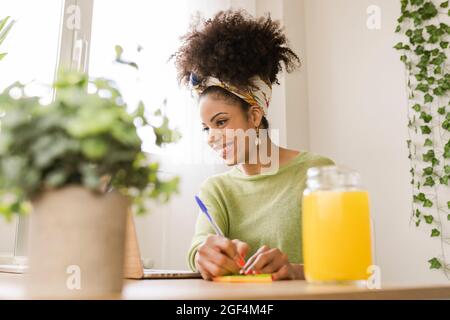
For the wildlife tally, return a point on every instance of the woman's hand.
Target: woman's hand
(219, 256)
(273, 261)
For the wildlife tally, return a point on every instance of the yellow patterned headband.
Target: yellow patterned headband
(259, 95)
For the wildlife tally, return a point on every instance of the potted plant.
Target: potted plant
(77, 164)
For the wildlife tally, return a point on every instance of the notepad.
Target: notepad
(257, 278)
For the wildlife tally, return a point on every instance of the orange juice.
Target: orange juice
(336, 235)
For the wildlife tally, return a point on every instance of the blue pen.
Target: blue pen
(240, 261)
(211, 220)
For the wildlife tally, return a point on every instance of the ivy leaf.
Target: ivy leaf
(426, 117)
(420, 197)
(428, 171)
(447, 169)
(425, 129)
(429, 156)
(423, 87)
(427, 203)
(434, 263)
(435, 233)
(441, 111)
(418, 213)
(438, 91)
(417, 107)
(444, 180)
(428, 98)
(447, 150)
(428, 143)
(438, 70)
(429, 182)
(399, 46)
(444, 4)
(429, 219)
(446, 125)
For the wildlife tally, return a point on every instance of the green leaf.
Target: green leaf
(429, 182)
(420, 197)
(444, 4)
(94, 148)
(428, 156)
(446, 125)
(425, 129)
(428, 171)
(441, 111)
(428, 219)
(416, 107)
(428, 11)
(119, 51)
(444, 180)
(438, 70)
(434, 263)
(426, 117)
(418, 213)
(5, 28)
(428, 143)
(428, 98)
(447, 169)
(399, 46)
(427, 203)
(435, 233)
(422, 87)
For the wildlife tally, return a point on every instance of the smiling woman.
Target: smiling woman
(231, 62)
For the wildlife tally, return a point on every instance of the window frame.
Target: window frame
(73, 53)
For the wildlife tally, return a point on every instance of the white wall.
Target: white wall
(358, 116)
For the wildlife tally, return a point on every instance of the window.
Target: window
(47, 34)
(32, 47)
(148, 32)
(32, 44)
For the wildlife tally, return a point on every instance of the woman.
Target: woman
(231, 61)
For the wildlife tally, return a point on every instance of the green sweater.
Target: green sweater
(257, 209)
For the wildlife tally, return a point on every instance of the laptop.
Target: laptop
(134, 268)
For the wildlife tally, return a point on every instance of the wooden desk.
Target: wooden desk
(11, 287)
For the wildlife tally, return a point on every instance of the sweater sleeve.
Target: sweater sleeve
(210, 195)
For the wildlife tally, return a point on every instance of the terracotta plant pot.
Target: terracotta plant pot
(77, 244)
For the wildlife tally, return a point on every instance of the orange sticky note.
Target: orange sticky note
(258, 278)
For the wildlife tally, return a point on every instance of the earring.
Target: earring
(257, 140)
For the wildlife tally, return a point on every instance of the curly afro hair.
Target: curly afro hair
(233, 46)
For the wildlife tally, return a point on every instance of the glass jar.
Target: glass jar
(336, 226)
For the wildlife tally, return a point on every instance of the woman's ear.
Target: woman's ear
(255, 116)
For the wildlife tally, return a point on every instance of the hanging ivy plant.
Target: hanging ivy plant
(425, 55)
